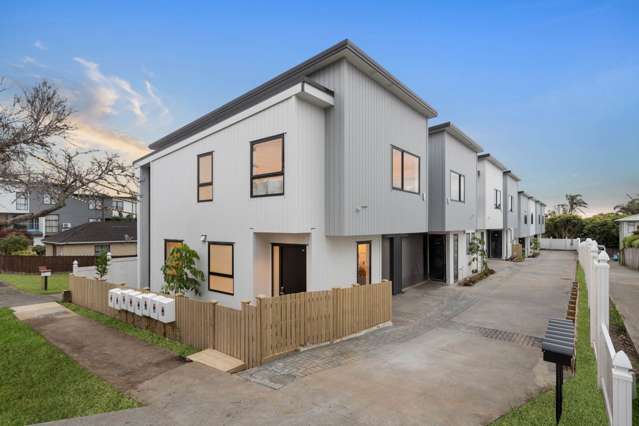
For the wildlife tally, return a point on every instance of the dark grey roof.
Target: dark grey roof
(457, 133)
(512, 175)
(281, 82)
(96, 232)
(493, 160)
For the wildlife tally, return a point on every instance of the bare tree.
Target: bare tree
(35, 156)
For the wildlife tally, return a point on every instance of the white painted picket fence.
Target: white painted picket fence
(614, 371)
(558, 243)
(121, 270)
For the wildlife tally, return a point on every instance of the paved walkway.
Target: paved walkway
(624, 291)
(120, 359)
(455, 355)
(9, 297)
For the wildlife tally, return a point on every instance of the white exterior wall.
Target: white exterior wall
(532, 228)
(8, 203)
(490, 178)
(522, 204)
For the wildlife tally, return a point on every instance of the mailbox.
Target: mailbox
(131, 300)
(154, 308)
(122, 300)
(558, 347)
(138, 303)
(167, 310)
(146, 303)
(114, 298)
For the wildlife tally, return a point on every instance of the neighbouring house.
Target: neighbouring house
(118, 237)
(627, 226)
(315, 179)
(490, 217)
(78, 209)
(526, 221)
(452, 202)
(511, 213)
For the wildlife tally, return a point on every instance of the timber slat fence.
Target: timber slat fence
(257, 333)
(30, 264)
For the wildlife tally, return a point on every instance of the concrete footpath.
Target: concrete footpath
(624, 292)
(454, 356)
(9, 297)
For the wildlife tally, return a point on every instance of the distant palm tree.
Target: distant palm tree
(575, 203)
(631, 206)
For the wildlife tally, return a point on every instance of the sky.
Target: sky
(550, 88)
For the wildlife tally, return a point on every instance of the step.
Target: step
(218, 360)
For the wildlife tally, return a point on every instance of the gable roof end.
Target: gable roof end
(457, 134)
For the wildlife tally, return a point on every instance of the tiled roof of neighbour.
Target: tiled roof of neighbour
(345, 48)
(107, 231)
(457, 133)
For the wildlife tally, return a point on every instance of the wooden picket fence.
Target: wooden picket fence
(258, 333)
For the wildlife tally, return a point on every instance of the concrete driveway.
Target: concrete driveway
(455, 356)
(624, 291)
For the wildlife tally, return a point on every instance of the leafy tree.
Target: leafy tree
(564, 226)
(102, 264)
(478, 252)
(575, 203)
(180, 273)
(630, 207)
(13, 244)
(603, 229)
(535, 244)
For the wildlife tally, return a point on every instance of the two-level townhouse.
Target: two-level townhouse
(490, 218)
(315, 179)
(452, 192)
(511, 212)
(543, 219)
(526, 221)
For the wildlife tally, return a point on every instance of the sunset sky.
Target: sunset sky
(550, 88)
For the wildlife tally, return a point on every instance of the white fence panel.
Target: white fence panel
(614, 371)
(121, 270)
(559, 243)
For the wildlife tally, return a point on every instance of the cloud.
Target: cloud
(150, 90)
(39, 45)
(89, 136)
(108, 91)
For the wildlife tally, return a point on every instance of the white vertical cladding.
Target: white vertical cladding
(437, 192)
(531, 211)
(511, 218)
(373, 119)
(143, 223)
(490, 178)
(233, 216)
(524, 216)
(461, 216)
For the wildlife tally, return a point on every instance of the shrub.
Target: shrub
(101, 264)
(180, 273)
(13, 244)
(39, 250)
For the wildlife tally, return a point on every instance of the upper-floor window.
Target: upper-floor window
(22, 202)
(532, 219)
(405, 170)
(457, 187)
(498, 199)
(525, 219)
(205, 177)
(51, 224)
(267, 166)
(48, 199)
(95, 204)
(510, 203)
(118, 205)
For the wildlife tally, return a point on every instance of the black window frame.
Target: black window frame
(498, 200)
(419, 170)
(202, 184)
(511, 201)
(219, 274)
(461, 193)
(370, 261)
(282, 137)
(170, 240)
(526, 219)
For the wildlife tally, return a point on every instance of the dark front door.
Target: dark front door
(293, 269)
(437, 257)
(495, 244)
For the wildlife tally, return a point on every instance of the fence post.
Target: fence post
(260, 334)
(621, 390)
(75, 267)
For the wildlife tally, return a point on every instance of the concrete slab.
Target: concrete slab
(218, 360)
(38, 310)
(624, 291)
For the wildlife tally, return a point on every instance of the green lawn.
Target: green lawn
(40, 383)
(147, 336)
(32, 283)
(583, 401)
